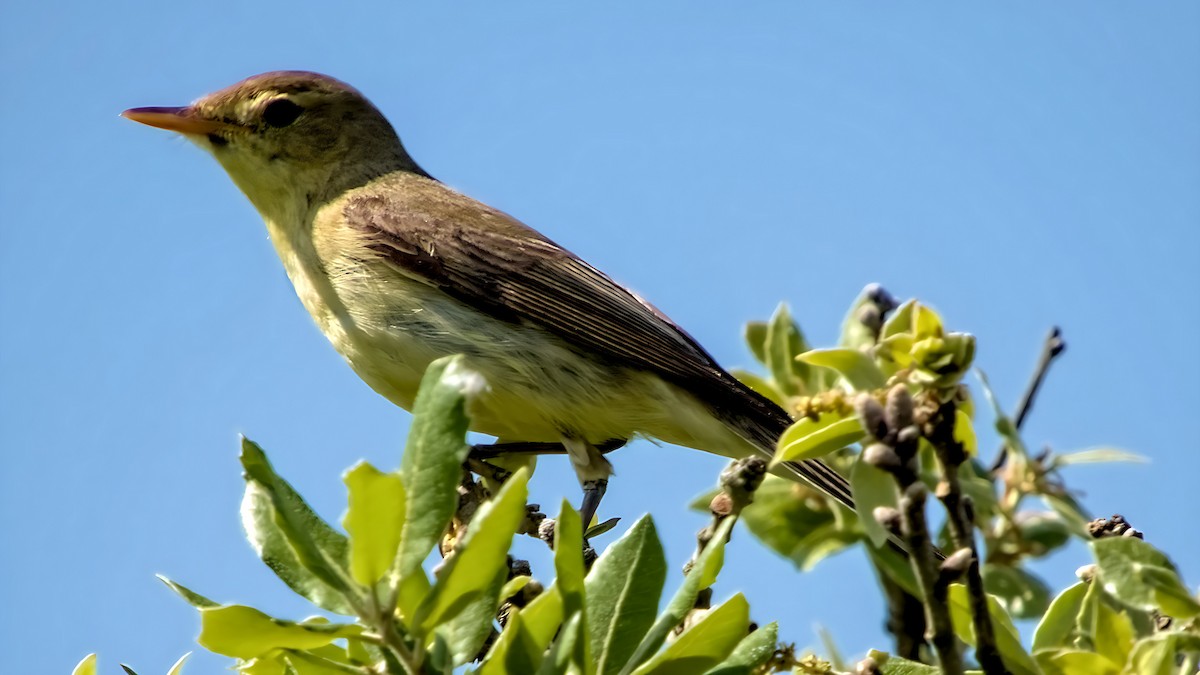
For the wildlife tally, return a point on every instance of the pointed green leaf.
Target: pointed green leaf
(702, 575)
(1112, 633)
(244, 632)
(1076, 662)
(896, 566)
(313, 663)
(755, 333)
(783, 343)
(1139, 575)
(543, 616)
(515, 651)
(374, 518)
(705, 643)
(177, 669)
(1156, 655)
(895, 665)
(899, 321)
(872, 488)
(193, 598)
(1057, 628)
(810, 439)
(964, 432)
(1008, 641)
(622, 593)
(1098, 456)
(87, 666)
(858, 368)
(568, 559)
(855, 334)
(566, 655)
(751, 653)
(1024, 595)
(797, 528)
(464, 599)
(431, 467)
(301, 548)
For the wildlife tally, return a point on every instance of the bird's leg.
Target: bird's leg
(593, 471)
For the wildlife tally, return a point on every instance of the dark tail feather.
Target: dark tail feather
(766, 424)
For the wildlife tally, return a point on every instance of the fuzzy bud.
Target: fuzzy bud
(872, 416)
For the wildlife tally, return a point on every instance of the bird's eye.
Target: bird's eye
(281, 112)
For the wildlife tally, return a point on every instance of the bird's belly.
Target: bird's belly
(538, 387)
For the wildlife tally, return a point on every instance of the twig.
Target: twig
(897, 441)
(1052, 347)
(906, 619)
(738, 482)
(951, 454)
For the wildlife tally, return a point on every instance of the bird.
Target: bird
(398, 269)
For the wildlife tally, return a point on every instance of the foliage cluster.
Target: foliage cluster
(887, 407)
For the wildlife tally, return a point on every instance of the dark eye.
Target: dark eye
(281, 112)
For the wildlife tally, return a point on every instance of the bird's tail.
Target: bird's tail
(761, 422)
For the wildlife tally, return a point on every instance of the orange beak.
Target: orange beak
(183, 120)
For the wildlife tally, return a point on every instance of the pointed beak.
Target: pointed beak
(184, 120)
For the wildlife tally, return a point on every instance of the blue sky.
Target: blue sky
(1016, 165)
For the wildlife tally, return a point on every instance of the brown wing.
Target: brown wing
(494, 263)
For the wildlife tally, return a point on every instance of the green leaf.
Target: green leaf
(1098, 456)
(543, 616)
(431, 467)
(810, 439)
(464, 599)
(312, 663)
(193, 598)
(895, 665)
(802, 530)
(964, 432)
(1024, 595)
(566, 655)
(1004, 425)
(515, 651)
(373, 520)
(1076, 662)
(1139, 575)
(858, 368)
(177, 669)
(1112, 633)
(751, 653)
(1156, 655)
(872, 488)
(1008, 641)
(601, 528)
(244, 632)
(299, 547)
(897, 567)
(513, 586)
(755, 333)
(623, 589)
(705, 643)
(899, 321)
(1057, 627)
(568, 559)
(855, 334)
(86, 667)
(783, 343)
(702, 575)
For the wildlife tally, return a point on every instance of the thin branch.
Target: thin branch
(1052, 347)
(897, 440)
(951, 454)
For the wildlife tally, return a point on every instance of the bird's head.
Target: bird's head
(288, 137)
